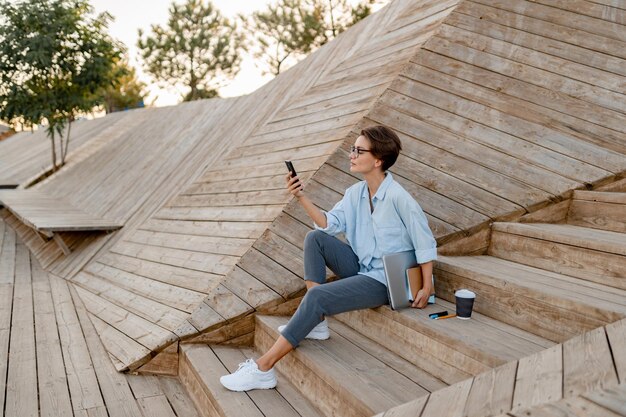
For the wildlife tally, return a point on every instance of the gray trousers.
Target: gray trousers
(351, 292)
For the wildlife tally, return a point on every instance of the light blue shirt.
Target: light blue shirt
(397, 224)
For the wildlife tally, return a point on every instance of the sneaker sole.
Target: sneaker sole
(271, 385)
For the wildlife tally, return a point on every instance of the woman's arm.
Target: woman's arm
(295, 188)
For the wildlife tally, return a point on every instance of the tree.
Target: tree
(291, 29)
(55, 60)
(127, 93)
(198, 49)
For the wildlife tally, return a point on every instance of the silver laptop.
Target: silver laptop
(396, 265)
(398, 288)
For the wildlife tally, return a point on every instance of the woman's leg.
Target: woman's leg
(322, 250)
(353, 293)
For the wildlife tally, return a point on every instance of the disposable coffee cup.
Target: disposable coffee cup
(464, 303)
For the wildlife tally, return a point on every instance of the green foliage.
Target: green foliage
(290, 29)
(55, 59)
(198, 49)
(127, 93)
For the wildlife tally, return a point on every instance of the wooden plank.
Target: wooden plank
(254, 292)
(469, 104)
(599, 196)
(587, 364)
(206, 368)
(122, 351)
(609, 399)
(539, 378)
(187, 281)
(6, 306)
(178, 397)
(598, 215)
(601, 267)
(230, 332)
(422, 378)
(616, 333)
(449, 401)
(117, 395)
(429, 354)
(164, 363)
(62, 245)
(295, 109)
(226, 304)
(21, 387)
(213, 264)
(283, 252)
(157, 406)
(608, 14)
(457, 55)
(144, 386)
(163, 293)
(244, 198)
(455, 175)
(475, 244)
(7, 256)
(208, 244)
(160, 314)
(250, 230)
(492, 392)
(561, 17)
(571, 407)
(268, 271)
(492, 157)
(409, 409)
(355, 390)
(144, 332)
(54, 396)
(79, 368)
(505, 26)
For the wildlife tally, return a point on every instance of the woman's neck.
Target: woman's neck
(374, 179)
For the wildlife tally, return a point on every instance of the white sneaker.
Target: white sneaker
(248, 377)
(319, 332)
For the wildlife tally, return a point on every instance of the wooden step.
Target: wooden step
(201, 367)
(545, 303)
(452, 349)
(347, 375)
(590, 254)
(598, 210)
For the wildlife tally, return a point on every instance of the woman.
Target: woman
(377, 217)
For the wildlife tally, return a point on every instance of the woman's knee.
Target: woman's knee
(314, 297)
(313, 238)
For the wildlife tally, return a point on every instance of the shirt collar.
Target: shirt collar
(382, 190)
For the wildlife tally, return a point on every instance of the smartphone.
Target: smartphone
(291, 168)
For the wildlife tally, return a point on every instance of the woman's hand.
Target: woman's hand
(421, 299)
(294, 185)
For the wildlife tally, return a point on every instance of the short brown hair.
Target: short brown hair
(385, 142)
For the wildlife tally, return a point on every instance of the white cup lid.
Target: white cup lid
(465, 294)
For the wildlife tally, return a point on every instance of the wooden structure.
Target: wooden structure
(507, 111)
(48, 215)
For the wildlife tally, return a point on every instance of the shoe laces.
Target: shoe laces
(247, 366)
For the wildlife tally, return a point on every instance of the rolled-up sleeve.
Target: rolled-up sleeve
(417, 225)
(335, 219)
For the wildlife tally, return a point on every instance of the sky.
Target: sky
(131, 15)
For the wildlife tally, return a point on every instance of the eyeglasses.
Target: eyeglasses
(358, 151)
